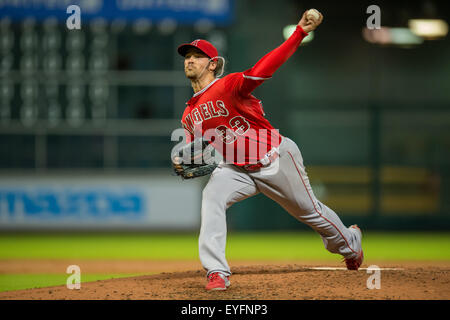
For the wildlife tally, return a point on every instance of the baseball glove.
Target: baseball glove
(195, 159)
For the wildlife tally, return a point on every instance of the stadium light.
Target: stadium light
(392, 36)
(289, 30)
(404, 36)
(428, 28)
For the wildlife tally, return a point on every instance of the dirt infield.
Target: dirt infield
(185, 280)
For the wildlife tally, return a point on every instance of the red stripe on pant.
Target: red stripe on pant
(315, 204)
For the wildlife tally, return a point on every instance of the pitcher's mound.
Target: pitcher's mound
(259, 282)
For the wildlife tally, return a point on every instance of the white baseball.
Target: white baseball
(313, 14)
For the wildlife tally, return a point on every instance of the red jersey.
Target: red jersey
(226, 113)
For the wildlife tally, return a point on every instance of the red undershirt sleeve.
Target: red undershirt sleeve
(267, 65)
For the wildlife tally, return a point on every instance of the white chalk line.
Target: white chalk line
(342, 268)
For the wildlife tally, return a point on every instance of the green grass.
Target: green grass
(27, 281)
(249, 246)
(377, 246)
(275, 246)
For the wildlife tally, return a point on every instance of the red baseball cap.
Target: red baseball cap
(203, 45)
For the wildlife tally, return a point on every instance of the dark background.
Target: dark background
(372, 122)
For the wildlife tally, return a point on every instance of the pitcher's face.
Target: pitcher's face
(195, 62)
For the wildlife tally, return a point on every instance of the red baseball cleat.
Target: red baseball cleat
(355, 263)
(217, 281)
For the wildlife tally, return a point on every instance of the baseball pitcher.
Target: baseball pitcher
(224, 115)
